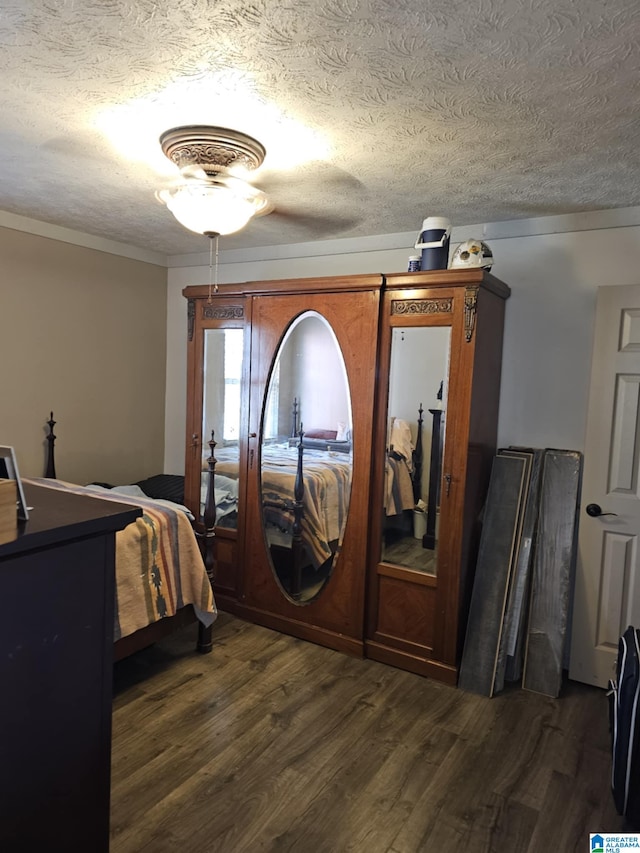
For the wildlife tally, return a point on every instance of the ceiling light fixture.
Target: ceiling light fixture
(211, 199)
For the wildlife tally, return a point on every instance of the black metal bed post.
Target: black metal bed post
(207, 543)
(50, 471)
(429, 538)
(294, 418)
(298, 510)
(417, 460)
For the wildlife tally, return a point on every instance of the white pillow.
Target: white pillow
(343, 431)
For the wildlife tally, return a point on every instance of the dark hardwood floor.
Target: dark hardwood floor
(273, 744)
(408, 551)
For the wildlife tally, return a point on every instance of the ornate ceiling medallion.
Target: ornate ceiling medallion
(211, 148)
(211, 197)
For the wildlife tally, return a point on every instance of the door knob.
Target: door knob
(594, 510)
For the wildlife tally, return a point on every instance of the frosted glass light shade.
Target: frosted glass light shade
(210, 208)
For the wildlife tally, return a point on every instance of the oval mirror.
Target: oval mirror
(306, 457)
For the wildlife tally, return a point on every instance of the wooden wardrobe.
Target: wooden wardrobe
(310, 372)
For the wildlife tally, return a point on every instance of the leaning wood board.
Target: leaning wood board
(553, 560)
(498, 546)
(511, 654)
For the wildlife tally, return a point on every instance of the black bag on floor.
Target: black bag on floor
(624, 720)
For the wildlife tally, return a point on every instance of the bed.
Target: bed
(162, 581)
(326, 480)
(279, 466)
(225, 474)
(305, 487)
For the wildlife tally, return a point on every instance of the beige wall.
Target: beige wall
(82, 333)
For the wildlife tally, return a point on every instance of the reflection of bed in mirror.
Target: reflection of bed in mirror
(306, 481)
(305, 493)
(226, 486)
(409, 530)
(319, 444)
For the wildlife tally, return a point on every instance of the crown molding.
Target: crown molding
(78, 238)
(515, 228)
(560, 224)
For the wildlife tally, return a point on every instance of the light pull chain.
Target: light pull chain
(213, 272)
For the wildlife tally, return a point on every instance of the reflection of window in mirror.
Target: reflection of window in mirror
(309, 370)
(221, 406)
(232, 379)
(223, 351)
(272, 407)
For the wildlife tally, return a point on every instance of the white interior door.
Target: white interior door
(607, 589)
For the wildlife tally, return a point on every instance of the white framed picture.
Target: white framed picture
(9, 471)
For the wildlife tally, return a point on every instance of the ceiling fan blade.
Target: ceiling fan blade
(317, 223)
(193, 170)
(330, 177)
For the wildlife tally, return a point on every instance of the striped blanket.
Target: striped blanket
(159, 568)
(327, 484)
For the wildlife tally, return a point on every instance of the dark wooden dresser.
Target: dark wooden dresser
(56, 648)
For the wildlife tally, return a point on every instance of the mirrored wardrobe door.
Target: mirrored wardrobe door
(415, 440)
(217, 405)
(306, 458)
(313, 375)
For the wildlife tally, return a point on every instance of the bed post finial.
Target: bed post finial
(206, 538)
(50, 472)
(209, 516)
(298, 513)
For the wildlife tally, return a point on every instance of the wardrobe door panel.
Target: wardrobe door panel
(338, 407)
(217, 392)
(408, 613)
(448, 325)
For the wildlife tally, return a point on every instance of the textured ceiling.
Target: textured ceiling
(375, 113)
